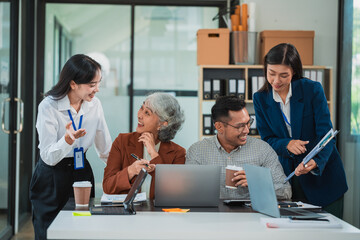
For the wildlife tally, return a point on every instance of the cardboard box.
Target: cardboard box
(213, 46)
(302, 40)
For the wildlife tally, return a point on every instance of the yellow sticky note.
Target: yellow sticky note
(86, 213)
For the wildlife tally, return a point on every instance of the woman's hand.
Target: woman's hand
(304, 169)
(135, 168)
(71, 135)
(297, 147)
(151, 168)
(148, 140)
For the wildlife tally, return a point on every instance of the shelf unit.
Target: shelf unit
(246, 72)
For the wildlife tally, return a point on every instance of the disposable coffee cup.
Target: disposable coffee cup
(82, 192)
(230, 170)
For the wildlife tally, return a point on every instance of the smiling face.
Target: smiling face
(229, 135)
(279, 77)
(87, 91)
(148, 121)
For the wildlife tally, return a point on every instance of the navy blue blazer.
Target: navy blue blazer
(310, 121)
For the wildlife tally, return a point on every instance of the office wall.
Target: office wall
(319, 15)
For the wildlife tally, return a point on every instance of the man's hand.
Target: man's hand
(240, 178)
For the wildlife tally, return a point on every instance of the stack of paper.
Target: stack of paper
(119, 198)
(288, 223)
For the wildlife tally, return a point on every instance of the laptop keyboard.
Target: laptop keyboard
(110, 211)
(290, 212)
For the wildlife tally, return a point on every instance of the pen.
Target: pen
(137, 158)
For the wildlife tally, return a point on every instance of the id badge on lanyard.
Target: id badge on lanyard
(78, 158)
(78, 152)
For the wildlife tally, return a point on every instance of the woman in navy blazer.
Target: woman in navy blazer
(292, 115)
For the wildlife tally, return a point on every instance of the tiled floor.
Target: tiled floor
(26, 232)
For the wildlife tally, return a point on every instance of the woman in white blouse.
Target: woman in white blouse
(70, 119)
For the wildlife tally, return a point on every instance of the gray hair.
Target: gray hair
(167, 108)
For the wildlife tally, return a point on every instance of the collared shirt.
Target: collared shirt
(256, 152)
(285, 108)
(51, 121)
(145, 187)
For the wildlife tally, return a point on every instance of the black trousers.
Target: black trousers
(51, 188)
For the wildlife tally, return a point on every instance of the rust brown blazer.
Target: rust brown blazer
(116, 178)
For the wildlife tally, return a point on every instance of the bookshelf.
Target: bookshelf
(225, 75)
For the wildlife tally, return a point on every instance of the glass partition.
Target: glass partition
(165, 55)
(102, 32)
(349, 107)
(165, 47)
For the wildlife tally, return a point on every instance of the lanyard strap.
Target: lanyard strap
(72, 120)
(286, 120)
(284, 117)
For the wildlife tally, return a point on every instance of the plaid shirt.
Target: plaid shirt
(256, 152)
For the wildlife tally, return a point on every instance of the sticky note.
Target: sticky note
(86, 213)
(177, 210)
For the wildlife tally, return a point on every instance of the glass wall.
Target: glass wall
(165, 58)
(355, 73)
(102, 32)
(349, 108)
(4, 96)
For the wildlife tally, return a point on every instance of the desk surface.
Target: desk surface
(148, 206)
(150, 222)
(191, 225)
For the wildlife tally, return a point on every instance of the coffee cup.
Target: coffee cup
(82, 192)
(230, 170)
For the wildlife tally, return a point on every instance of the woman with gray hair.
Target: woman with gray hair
(159, 119)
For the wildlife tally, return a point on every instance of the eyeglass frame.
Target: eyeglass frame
(242, 125)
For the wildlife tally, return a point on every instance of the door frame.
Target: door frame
(13, 84)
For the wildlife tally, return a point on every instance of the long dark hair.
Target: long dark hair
(79, 68)
(285, 54)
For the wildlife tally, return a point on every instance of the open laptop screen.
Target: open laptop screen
(263, 197)
(178, 185)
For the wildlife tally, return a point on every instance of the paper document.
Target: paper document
(119, 198)
(307, 205)
(322, 143)
(288, 223)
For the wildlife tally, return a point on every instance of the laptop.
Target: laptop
(263, 197)
(128, 206)
(178, 185)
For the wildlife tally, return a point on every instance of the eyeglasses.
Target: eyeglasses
(241, 126)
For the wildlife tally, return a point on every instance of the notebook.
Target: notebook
(127, 207)
(263, 197)
(178, 185)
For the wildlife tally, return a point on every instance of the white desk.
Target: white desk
(191, 225)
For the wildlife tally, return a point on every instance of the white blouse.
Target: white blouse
(146, 184)
(285, 108)
(51, 121)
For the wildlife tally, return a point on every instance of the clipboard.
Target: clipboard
(322, 143)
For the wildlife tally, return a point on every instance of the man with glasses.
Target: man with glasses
(232, 146)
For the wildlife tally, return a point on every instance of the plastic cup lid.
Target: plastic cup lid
(233, 167)
(82, 184)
